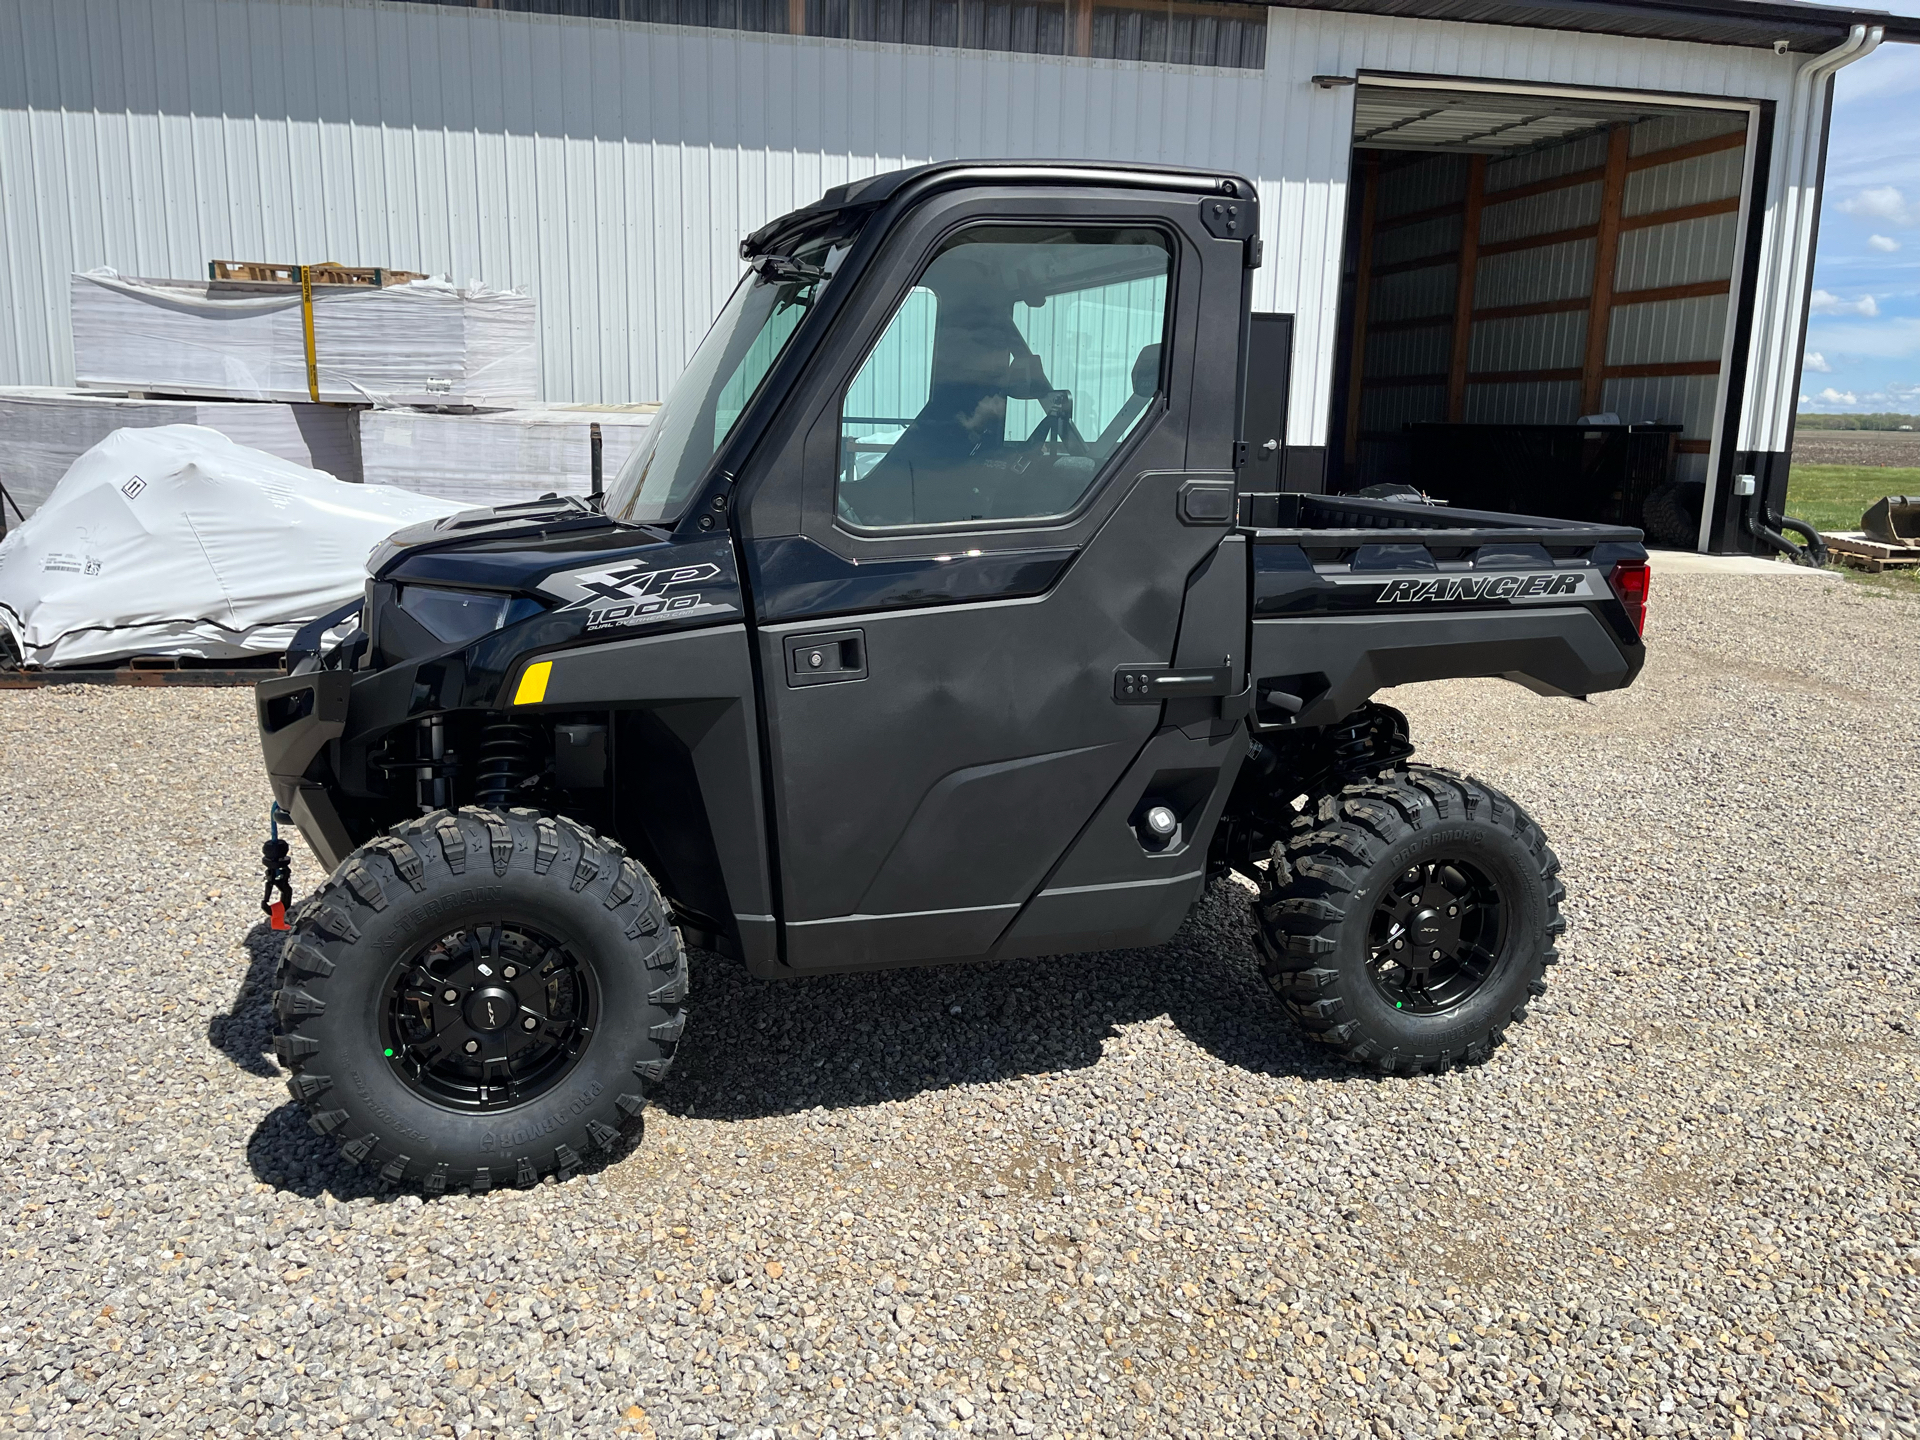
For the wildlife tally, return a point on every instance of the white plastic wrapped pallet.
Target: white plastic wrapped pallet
(423, 343)
(500, 457)
(177, 541)
(44, 430)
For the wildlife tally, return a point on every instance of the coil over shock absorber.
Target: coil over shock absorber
(1351, 741)
(1371, 738)
(512, 757)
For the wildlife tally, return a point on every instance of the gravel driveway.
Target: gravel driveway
(1110, 1195)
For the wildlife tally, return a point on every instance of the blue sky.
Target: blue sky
(1863, 337)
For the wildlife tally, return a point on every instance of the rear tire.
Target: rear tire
(1669, 517)
(1414, 925)
(479, 998)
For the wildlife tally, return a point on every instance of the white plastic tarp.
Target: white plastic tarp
(423, 343)
(177, 541)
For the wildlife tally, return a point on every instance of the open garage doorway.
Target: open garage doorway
(1536, 309)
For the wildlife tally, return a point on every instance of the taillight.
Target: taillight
(1629, 582)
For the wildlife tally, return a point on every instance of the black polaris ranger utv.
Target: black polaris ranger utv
(933, 620)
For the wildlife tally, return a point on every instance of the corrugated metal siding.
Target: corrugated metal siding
(1539, 214)
(610, 168)
(1540, 342)
(1667, 131)
(1678, 254)
(1414, 294)
(1671, 330)
(1521, 404)
(1421, 185)
(1528, 277)
(1684, 182)
(1686, 399)
(1439, 236)
(1585, 153)
(1409, 352)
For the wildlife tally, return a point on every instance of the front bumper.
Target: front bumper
(299, 715)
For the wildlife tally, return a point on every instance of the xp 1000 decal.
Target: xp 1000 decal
(665, 583)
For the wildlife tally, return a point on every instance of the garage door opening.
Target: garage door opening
(1536, 301)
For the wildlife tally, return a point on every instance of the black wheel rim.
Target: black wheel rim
(489, 1017)
(1435, 936)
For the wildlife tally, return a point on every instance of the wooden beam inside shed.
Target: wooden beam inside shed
(1606, 254)
(1463, 285)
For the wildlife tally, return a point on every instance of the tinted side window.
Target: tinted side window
(1007, 377)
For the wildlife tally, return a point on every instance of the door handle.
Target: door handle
(1150, 684)
(828, 657)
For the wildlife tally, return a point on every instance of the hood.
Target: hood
(506, 548)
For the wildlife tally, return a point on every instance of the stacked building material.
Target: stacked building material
(44, 430)
(422, 343)
(499, 457)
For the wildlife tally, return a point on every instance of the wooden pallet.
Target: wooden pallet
(1851, 547)
(151, 670)
(325, 273)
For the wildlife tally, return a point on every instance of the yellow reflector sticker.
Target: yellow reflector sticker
(533, 683)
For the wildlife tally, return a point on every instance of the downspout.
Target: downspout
(1786, 271)
(1800, 194)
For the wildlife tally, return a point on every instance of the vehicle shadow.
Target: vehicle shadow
(756, 1048)
(244, 1033)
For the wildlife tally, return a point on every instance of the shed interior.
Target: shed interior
(1517, 265)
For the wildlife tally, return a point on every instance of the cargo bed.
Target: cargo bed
(1352, 595)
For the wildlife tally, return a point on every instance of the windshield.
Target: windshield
(658, 478)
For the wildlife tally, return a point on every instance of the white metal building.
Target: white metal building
(1502, 211)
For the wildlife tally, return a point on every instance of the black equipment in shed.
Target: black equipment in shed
(1598, 473)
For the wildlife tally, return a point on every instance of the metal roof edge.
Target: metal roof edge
(1756, 23)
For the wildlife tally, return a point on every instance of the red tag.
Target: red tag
(277, 917)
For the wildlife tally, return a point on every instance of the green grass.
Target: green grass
(1832, 497)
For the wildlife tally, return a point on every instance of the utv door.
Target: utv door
(971, 540)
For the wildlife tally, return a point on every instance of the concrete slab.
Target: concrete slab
(1686, 562)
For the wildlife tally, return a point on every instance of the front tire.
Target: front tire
(1414, 923)
(479, 998)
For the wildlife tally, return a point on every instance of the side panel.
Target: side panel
(1342, 659)
(699, 687)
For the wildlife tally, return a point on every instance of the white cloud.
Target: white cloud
(1885, 244)
(1805, 401)
(1818, 362)
(1831, 396)
(1825, 302)
(1891, 337)
(1881, 202)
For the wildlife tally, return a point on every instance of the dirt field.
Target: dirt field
(1856, 447)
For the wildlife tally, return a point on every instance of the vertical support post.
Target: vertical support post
(306, 327)
(1362, 300)
(1464, 282)
(593, 447)
(796, 17)
(1080, 27)
(1606, 256)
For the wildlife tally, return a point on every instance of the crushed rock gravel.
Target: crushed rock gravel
(1109, 1195)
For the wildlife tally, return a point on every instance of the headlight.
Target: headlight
(457, 616)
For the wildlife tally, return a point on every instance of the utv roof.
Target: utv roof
(849, 203)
